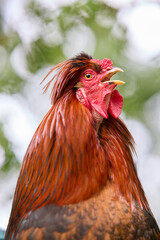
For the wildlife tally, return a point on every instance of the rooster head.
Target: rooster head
(91, 80)
(96, 90)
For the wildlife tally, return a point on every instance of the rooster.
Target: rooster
(78, 179)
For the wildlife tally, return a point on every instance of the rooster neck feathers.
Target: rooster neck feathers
(67, 161)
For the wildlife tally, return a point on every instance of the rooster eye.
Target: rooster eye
(88, 76)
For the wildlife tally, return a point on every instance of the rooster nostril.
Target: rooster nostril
(108, 68)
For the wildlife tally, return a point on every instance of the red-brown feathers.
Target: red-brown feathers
(118, 143)
(67, 161)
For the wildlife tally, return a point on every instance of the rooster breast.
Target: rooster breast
(101, 217)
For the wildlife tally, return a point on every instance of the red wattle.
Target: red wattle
(115, 104)
(101, 109)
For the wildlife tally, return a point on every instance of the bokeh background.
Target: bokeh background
(37, 34)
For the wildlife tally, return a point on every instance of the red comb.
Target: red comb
(105, 63)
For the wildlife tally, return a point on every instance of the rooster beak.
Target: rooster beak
(110, 73)
(117, 82)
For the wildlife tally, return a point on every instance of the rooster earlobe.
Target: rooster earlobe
(81, 96)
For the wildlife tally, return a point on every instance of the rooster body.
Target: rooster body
(100, 217)
(78, 179)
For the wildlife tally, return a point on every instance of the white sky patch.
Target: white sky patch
(143, 30)
(117, 3)
(152, 112)
(152, 117)
(19, 63)
(141, 134)
(52, 34)
(39, 103)
(7, 186)
(18, 125)
(148, 171)
(26, 24)
(54, 4)
(148, 164)
(78, 39)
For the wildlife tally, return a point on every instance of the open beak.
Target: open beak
(109, 74)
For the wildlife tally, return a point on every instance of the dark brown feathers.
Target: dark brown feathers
(99, 218)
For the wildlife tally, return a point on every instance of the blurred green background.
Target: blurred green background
(36, 35)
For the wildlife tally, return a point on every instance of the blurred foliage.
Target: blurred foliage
(10, 158)
(71, 16)
(111, 42)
